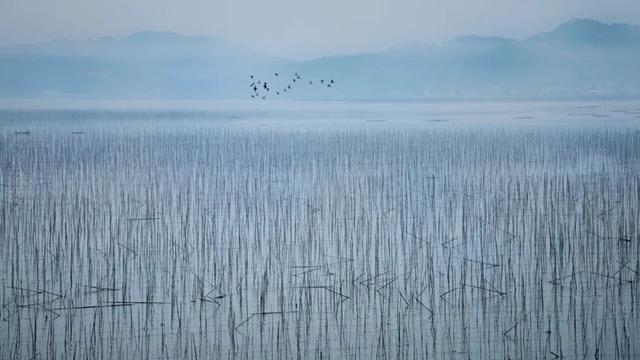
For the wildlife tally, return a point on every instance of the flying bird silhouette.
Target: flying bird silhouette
(257, 84)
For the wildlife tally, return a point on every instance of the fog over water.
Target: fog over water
(291, 179)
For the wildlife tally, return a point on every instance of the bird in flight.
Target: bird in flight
(257, 84)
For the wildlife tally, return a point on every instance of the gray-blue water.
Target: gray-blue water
(319, 230)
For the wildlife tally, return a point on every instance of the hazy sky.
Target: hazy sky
(302, 28)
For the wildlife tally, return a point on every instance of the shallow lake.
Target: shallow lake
(230, 229)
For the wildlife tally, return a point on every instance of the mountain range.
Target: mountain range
(580, 58)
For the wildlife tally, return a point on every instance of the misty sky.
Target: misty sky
(302, 28)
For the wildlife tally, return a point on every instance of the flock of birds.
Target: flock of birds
(261, 87)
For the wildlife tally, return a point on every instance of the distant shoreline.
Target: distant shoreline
(71, 103)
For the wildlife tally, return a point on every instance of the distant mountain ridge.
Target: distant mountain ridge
(590, 32)
(579, 58)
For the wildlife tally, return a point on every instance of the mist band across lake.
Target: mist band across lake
(320, 230)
